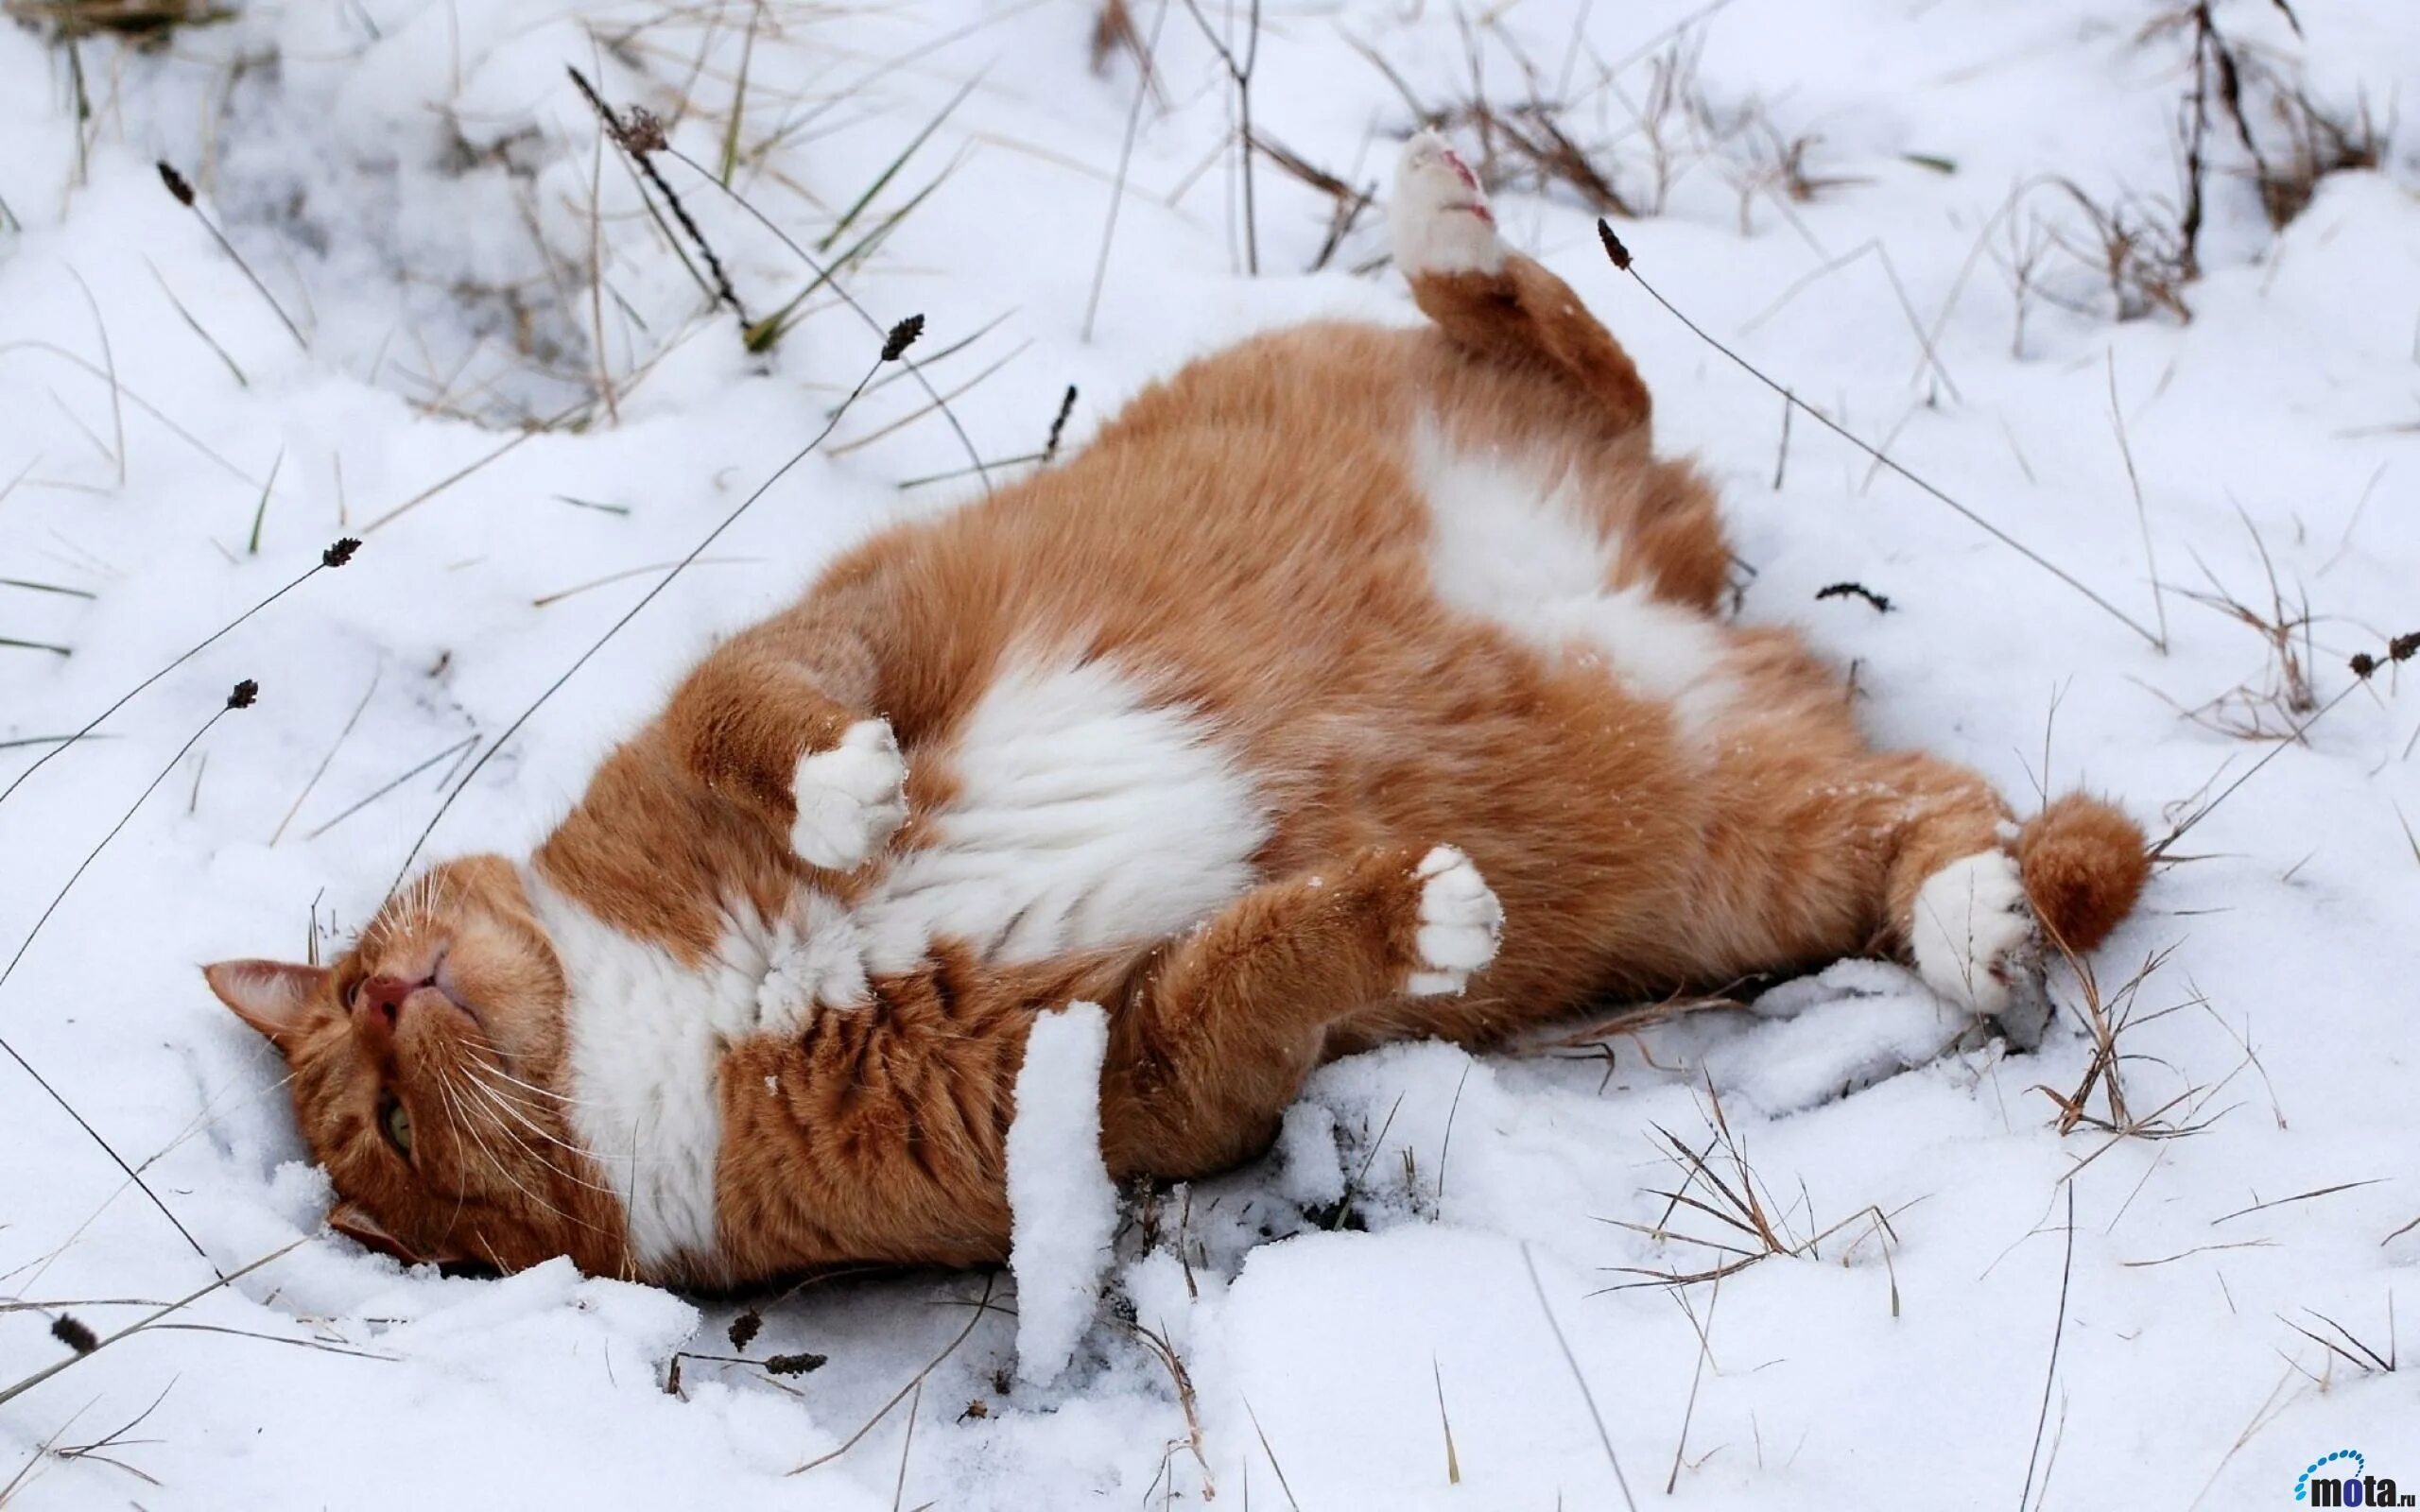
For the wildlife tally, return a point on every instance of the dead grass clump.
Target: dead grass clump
(2235, 83)
(2318, 143)
(151, 23)
(2101, 1100)
(1750, 1225)
(2141, 246)
(2274, 703)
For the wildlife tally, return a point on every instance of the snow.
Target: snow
(413, 183)
(1063, 1207)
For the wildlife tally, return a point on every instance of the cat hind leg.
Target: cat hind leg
(1981, 904)
(1492, 301)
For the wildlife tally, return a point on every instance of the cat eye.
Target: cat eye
(397, 1124)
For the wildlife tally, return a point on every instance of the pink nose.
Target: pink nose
(380, 1001)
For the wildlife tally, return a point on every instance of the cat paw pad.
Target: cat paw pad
(1460, 924)
(1439, 213)
(851, 799)
(1975, 938)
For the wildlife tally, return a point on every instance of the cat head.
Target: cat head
(429, 1072)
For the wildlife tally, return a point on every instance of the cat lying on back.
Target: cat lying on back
(1355, 684)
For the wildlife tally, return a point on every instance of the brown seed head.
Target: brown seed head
(793, 1365)
(743, 1328)
(243, 695)
(903, 335)
(2403, 647)
(2363, 664)
(1066, 407)
(177, 185)
(1613, 247)
(73, 1334)
(338, 555)
(640, 133)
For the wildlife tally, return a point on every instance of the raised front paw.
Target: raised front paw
(851, 799)
(1977, 943)
(1460, 924)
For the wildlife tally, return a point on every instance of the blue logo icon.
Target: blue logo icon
(2341, 1478)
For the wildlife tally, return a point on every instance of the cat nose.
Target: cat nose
(380, 1002)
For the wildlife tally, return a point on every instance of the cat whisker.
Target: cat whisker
(501, 1168)
(503, 1102)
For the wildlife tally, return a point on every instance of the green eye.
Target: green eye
(398, 1125)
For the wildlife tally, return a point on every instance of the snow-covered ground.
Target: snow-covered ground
(1352, 1322)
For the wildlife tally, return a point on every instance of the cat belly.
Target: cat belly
(1086, 814)
(1512, 541)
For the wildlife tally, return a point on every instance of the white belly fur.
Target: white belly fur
(1511, 543)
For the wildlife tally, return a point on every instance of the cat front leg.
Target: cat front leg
(779, 720)
(1215, 1036)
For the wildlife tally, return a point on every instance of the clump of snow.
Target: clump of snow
(1063, 1207)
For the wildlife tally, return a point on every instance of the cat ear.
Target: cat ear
(275, 999)
(352, 1220)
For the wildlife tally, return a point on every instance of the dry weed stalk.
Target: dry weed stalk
(2363, 665)
(1181, 1379)
(1240, 72)
(2355, 1351)
(894, 346)
(1592, 1040)
(1587, 1397)
(241, 696)
(1620, 257)
(154, 1319)
(183, 193)
(915, 1384)
(1147, 50)
(333, 557)
(639, 136)
(2233, 83)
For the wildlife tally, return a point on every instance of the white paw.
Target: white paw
(1460, 923)
(1975, 939)
(1439, 213)
(816, 960)
(851, 797)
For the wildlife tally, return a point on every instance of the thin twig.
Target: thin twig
(2142, 514)
(1585, 1395)
(321, 770)
(2058, 1332)
(974, 1316)
(1125, 157)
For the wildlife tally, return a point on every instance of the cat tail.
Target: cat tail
(1491, 299)
(2084, 864)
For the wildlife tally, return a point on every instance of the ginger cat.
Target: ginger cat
(1355, 684)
